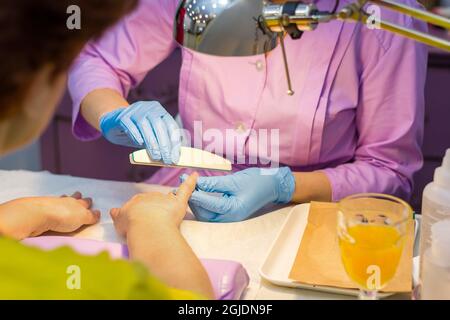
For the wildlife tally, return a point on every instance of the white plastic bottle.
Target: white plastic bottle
(436, 209)
(436, 264)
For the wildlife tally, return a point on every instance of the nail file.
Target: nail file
(189, 158)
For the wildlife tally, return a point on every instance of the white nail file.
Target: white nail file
(189, 158)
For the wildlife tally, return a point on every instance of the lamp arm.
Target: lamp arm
(307, 17)
(355, 12)
(423, 15)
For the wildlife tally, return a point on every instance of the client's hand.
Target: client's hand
(25, 217)
(154, 207)
(151, 224)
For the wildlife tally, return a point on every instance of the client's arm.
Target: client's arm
(151, 224)
(30, 217)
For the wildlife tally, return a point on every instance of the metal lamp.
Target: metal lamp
(252, 27)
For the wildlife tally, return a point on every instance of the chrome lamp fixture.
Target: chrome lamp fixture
(253, 27)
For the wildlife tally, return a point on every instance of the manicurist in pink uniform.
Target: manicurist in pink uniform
(354, 124)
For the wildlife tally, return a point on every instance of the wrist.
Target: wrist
(106, 116)
(145, 237)
(285, 183)
(40, 213)
(22, 218)
(99, 102)
(147, 243)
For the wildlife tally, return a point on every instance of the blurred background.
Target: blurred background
(59, 152)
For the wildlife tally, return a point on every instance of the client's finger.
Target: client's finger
(77, 195)
(120, 228)
(187, 187)
(86, 202)
(92, 217)
(114, 212)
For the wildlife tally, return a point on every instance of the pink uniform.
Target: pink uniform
(357, 113)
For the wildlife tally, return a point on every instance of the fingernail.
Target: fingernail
(195, 174)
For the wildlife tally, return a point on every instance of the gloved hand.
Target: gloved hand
(144, 124)
(243, 193)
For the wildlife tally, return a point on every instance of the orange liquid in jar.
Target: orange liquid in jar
(371, 254)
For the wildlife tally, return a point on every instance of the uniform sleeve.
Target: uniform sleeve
(389, 120)
(122, 57)
(29, 273)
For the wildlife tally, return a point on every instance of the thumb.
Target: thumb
(187, 187)
(114, 212)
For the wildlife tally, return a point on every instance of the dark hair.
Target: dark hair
(33, 33)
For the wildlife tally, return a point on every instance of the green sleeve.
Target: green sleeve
(30, 273)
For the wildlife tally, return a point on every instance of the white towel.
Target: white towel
(246, 242)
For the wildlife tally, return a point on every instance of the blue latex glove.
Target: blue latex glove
(242, 193)
(144, 124)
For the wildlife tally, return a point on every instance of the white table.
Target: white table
(246, 242)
